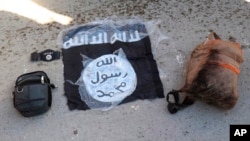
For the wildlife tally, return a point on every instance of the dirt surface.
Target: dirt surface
(185, 23)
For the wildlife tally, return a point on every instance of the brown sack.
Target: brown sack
(212, 74)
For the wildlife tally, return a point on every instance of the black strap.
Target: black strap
(34, 77)
(46, 55)
(173, 107)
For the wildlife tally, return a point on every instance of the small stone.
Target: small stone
(75, 132)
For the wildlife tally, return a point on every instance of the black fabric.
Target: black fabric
(46, 55)
(139, 54)
(32, 94)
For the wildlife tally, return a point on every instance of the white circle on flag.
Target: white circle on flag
(109, 78)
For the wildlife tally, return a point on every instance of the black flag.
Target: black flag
(97, 40)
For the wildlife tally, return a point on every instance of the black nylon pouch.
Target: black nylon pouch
(32, 94)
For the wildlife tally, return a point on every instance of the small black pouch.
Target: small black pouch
(32, 94)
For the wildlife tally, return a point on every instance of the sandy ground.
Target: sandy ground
(185, 23)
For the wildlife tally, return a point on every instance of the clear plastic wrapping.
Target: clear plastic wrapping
(110, 30)
(108, 79)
